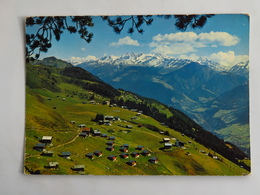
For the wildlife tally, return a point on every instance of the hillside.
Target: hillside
(189, 86)
(57, 102)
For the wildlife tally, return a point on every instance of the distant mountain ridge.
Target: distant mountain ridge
(152, 60)
(52, 61)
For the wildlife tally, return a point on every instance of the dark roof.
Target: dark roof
(146, 151)
(111, 156)
(97, 151)
(153, 158)
(65, 153)
(131, 161)
(40, 145)
(110, 147)
(140, 146)
(110, 142)
(134, 153)
(125, 145)
(90, 154)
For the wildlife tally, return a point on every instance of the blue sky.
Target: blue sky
(224, 39)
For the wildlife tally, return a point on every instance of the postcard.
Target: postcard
(137, 95)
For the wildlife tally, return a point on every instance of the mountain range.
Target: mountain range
(215, 96)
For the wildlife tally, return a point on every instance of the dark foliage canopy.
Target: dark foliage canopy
(51, 27)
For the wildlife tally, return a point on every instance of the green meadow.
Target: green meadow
(49, 113)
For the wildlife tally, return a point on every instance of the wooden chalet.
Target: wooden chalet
(65, 154)
(125, 146)
(179, 144)
(146, 153)
(98, 153)
(124, 155)
(135, 154)
(131, 163)
(83, 134)
(103, 135)
(85, 129)
(53, 165)
(78, 168)
(39, 147)
(96, 132)
(110, 148)
(153, 160)
(166, 139)
(139, 125)
(110, 143)
(109, 118)
(111, 137)
(47, 153)
(140, 147)
(46, 139)
(167, 145)
(123, 149)
(117, 118)
(90, 155)
(215, 157)
(112, 157)
(81, 125)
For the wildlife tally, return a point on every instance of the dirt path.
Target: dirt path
(55, 147)
(66, 142)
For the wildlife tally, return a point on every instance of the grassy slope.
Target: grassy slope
(237, 134)
(56, 123)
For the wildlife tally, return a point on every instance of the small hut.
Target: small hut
(135, 154)
(98, 153)
(90, 155)
(153, 160)
(78, 168)
(131, 163)
(112, 157)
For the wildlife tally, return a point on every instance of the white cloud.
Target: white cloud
(125, 41)
(78, 60)
(190, 57)
(83, 49)
(228, 59)
(221, 38)
(185, 42)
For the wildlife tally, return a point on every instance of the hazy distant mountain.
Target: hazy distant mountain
(241, 68)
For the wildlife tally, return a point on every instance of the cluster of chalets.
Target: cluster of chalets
(124, 149)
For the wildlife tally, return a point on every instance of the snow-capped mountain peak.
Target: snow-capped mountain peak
(166, 63)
